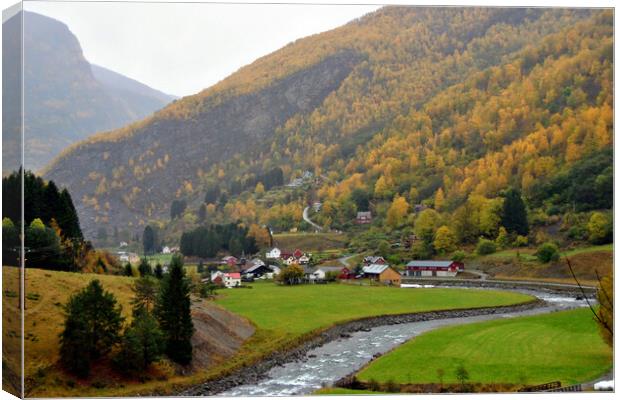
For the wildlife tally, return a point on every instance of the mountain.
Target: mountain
(434, 104)
(65, 98)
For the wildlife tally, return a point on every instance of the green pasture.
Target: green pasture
(563, 346)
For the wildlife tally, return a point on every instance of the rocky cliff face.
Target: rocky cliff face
(160, 158)
(64, 101)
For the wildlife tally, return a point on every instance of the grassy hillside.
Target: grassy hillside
(564, 346)
(310, 241)
(523, 264)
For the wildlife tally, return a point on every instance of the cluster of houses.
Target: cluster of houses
(375, 268)
(288, 257)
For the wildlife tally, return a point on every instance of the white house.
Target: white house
(290, 260)
(273, 253)
(216, 274)
(122, 244)
(166, 250)
(321, 272)
(232, 279)
(304, 259)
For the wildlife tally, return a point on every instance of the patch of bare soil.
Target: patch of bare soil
(218, 333)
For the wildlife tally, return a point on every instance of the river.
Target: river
(326, 364)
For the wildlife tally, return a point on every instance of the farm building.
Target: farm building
(257, 270)
(433, 268)
(363, 217)
(273, 253)
(382, 273)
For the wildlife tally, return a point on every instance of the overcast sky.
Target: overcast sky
(181, 49)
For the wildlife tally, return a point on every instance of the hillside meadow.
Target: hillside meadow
(562, 346)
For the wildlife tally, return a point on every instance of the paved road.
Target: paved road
(345, 260)
(308, 220)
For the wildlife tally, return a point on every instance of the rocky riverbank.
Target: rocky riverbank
(254, 373)
(546, 287)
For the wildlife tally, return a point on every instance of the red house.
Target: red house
(346, 273)
(298, 253)
(231, 261)
(433, 268)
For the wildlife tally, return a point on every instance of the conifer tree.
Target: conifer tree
(514, 214)
(92, 326)
(145, 267)
(173, 313)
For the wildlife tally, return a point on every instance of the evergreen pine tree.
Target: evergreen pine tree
(92, 326)
(159, 271)
(145, 267)
(173, 313)
(67, 217)
(127, 270)
(514, 214)
(148, 240)
(142, 343)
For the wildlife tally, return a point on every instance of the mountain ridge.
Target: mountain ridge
(407, 58)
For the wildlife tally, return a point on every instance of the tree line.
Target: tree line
(207, 241)
(52, 234)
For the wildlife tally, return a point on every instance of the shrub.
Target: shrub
(548, 252)
(459, 256)
(520, 241)
(485, 246)
(599, 228)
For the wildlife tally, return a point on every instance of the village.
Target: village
(234, 272)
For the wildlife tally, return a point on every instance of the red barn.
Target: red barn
(433, 268)
(346, 273)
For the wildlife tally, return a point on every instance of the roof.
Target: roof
(329, 268)
(229, 258)
(233, 275)
(255, 267)
(373, 259)
(361, 214)
(429, 263)
(375, 268)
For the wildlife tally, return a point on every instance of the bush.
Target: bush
(459, 256)
(142, 344)
(520, 241)
(548, 252)
(577, 232)
(600, 228)
(485, 246)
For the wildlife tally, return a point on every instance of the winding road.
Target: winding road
(308, 220)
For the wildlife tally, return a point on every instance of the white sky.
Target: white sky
(181, 49)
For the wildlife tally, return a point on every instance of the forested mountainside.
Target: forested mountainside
(406, 105)
(65, 100)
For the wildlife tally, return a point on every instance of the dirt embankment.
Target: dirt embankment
(218, 334)
(253, 373)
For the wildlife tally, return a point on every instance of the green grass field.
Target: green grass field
(562, 346)
(300, 309)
